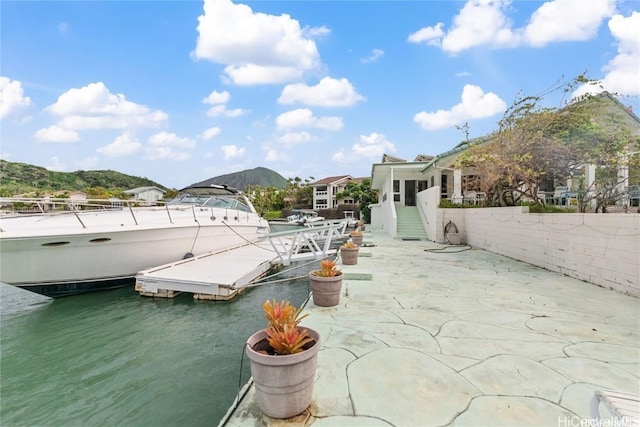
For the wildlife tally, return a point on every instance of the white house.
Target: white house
(399, 181)
(147, 194)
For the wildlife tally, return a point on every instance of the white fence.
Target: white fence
(603, 249)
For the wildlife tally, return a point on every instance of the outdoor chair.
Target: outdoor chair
(474, 197)
(469, 197)
(624, 406)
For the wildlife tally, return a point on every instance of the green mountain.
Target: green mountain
(18, 178)
(241, 180)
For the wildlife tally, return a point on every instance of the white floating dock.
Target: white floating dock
(221, 275)
(215, 275)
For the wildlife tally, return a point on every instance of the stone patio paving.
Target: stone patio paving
(462, 337)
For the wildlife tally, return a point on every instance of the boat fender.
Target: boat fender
(187, 255)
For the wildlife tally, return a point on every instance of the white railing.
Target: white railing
(312, 242)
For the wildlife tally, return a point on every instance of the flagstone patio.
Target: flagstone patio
(459, 336)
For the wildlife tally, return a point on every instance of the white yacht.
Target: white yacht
(58, 252)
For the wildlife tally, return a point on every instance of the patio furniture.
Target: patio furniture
(624, 406)
(474, 197)
(469, 197)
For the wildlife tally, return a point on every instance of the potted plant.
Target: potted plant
(349, 253)
(326, 284)
(356, 237)
(283, 361)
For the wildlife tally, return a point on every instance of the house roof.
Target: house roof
(332, 180)
(380, 170)
(386, 158)
(139, 190)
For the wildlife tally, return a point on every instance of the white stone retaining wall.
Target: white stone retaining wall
(603, 249)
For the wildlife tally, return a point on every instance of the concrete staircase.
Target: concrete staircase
(409, 224)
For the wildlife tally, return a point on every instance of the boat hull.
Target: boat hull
(68, 254)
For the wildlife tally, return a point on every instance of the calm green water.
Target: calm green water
(115, 358)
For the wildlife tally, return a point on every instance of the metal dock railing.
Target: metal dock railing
(221, 275)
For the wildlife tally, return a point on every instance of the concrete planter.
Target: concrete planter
(325, 290)
(283, 383)
(349, 256)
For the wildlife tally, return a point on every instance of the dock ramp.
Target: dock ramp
(221, 275)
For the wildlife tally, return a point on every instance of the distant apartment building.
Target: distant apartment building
(326, 189)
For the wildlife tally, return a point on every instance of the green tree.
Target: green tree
(535, 143)
(299, 193)
(362, 194)
(266, 199)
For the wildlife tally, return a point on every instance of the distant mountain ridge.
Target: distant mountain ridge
(17, 178)
(263, 177)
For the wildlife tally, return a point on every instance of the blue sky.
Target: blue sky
(181, 91)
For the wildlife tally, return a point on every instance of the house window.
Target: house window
(422, 185)
(443, 186)
(396, 190)
(433, 181)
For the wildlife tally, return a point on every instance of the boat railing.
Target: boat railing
(32, 205)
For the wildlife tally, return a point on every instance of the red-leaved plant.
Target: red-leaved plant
(283, 334)
(327, 269)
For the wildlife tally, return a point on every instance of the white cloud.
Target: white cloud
(12, 97)
(165, 153)
(328, 92)
(479, 22)
(232, 151)
(165, 145)
(430, 35)
(257, 47)
(486, 23)
(293, 138)
(123, 146)
(566, 20)
(250, 74)
(63, 27)
(219, 101)
(94, 107)
(166, 139)
(56, 165)
(211, 133)
(273, 156)
(88, 163)
(56, 134)
(623, 71)
(371, 146)
(216, 97)
(475, 104)
(303, 118)
(374, 56)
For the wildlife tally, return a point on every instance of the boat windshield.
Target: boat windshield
(225, 202)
